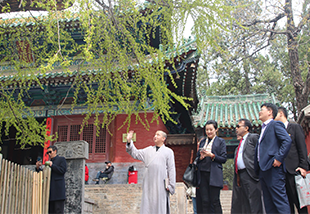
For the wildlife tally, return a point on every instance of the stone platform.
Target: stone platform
(225, 202)
(126, 198)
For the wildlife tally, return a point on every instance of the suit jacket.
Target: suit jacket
(275, 144)
(216, 171)
(297, 156)
(57, 188)
(248, 154)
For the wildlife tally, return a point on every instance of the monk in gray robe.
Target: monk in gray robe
(159, 177)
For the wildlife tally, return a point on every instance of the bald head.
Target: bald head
(159, 138)
(163, 134)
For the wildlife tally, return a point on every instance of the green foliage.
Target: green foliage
(15, 114)
(116, 49)
(254, 58)
(228, 173)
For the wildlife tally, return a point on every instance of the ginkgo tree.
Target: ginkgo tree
(116, 47)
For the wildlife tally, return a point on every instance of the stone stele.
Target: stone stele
(75, 152)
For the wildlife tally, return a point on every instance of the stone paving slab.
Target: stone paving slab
(225, 197)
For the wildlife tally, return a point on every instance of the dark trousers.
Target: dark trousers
(56, 207)
(292, 194)
(101, 175)
(246, 198)
(274, 192)
(207, 197)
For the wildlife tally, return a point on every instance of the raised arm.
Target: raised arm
(132, 150)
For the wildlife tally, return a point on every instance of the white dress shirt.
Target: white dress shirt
(261, 135)
(286, 124)
(240, 162)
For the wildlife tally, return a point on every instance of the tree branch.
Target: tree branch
(308, 77)
(274, 31)
(302, 22)
(280, 16)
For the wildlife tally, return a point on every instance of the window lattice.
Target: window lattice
(101, 141)
(62, 133)
(74, 132)
(98, 145)
(88, 133)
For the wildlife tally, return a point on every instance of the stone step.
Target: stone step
(126, 198)
(111, 197)
(225, 197)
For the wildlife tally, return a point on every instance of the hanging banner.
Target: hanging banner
(47, 143)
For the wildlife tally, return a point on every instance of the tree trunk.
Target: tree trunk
(301, 92)
(246, 69)
(301, 89)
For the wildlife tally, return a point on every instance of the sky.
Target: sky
(297, 5)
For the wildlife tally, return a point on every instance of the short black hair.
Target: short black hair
(53, 148)
(211, 122)
(281, 108)
(272, 107)
(247, 123)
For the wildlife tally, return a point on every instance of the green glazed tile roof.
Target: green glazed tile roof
(227, 110)
(187, 46)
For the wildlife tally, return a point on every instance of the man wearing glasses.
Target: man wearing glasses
(58, 165)
(246, 197)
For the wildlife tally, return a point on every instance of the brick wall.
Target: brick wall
(183, 155)
(144, 137)
(126, 198)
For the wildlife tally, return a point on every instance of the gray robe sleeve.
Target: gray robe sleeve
(135, 153)
(171, 173)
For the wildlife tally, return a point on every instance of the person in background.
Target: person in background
(211, 155)
(296, 160)
(39, 166)
(191, 192)
(86, 174)
(58, 166)
(106, 174)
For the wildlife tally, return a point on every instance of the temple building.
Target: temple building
(53, 103)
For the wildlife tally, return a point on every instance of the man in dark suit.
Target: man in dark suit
(58, 165)
(272, 148)
(246, 196)
(296, 160)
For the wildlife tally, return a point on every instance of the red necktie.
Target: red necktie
(236, 167)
